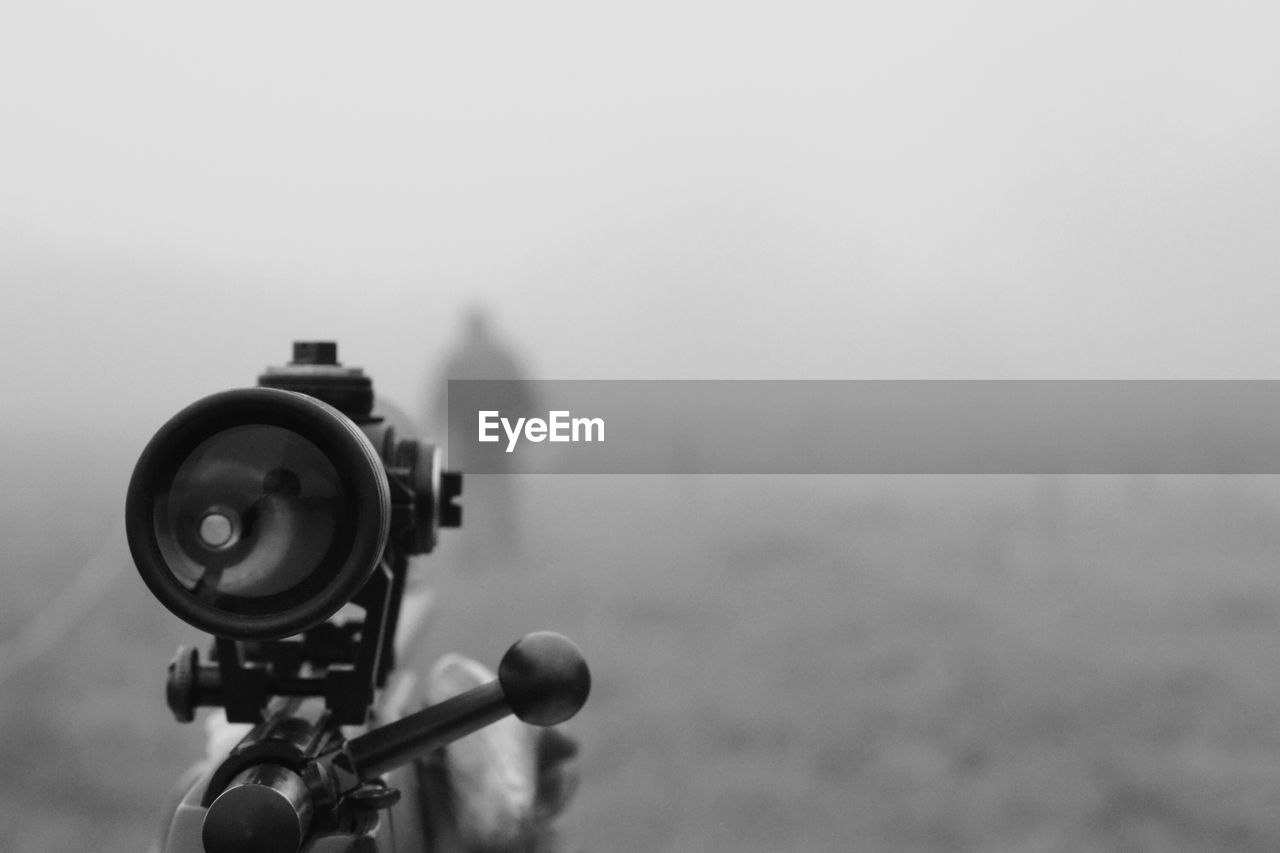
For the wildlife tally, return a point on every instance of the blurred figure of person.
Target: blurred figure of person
(491, 514)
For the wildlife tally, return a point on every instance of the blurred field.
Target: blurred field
(801, 664)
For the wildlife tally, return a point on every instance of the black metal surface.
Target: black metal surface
(294, 732)
(266, 809)
(450, 491)
(181, 692)
(389, 746)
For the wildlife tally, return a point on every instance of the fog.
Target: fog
(651, 191)
(665, 191)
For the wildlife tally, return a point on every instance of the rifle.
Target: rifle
(280, 519)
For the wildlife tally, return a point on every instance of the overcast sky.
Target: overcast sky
(655, 189)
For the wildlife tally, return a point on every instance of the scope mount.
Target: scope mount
(346, 663)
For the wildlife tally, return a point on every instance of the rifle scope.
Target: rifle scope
(257, 513)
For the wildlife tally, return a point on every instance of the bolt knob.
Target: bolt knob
(544, 678)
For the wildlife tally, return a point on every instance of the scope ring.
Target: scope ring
(365, 519)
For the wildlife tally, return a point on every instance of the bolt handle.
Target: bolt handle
(543, 679)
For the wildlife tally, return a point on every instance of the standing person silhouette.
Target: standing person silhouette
(490, 499)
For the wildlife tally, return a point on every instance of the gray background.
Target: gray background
(668, 191)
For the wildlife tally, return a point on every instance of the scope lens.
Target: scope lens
(257, 513)
(251, 513)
